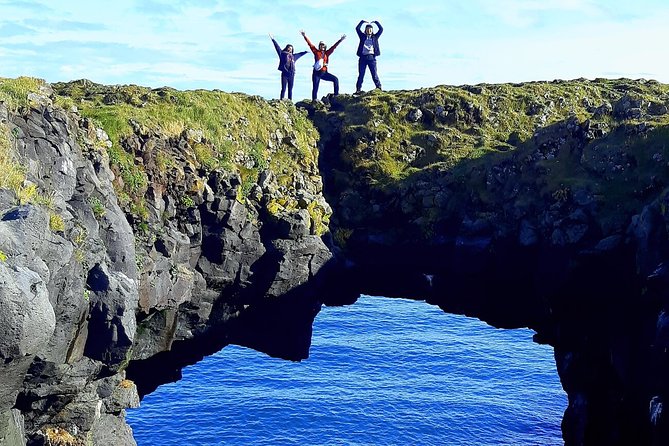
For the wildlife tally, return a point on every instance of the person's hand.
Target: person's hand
(271, 36)
(343, 36)
(302, 32)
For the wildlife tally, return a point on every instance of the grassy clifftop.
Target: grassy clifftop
(394, 134)
(504, 149)
(496, 152)
(227, 131)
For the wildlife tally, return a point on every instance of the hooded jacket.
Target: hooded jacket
(375, 38)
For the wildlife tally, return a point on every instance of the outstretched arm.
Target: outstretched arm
(311, 45)
(298, 55)
(378, 25)
(276, 45)
(332, 48)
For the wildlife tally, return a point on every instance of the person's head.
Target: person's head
(369, 30)
(322, 46)
(288, 48)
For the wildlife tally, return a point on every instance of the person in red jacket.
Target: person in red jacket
(322, 58)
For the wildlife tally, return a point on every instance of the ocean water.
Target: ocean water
(380, 372)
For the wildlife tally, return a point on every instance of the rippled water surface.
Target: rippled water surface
(381, 372)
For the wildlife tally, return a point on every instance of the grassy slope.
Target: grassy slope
(466, 134)
(503, 148)
(236, 128)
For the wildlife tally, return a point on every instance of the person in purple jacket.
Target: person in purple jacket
(287, 61)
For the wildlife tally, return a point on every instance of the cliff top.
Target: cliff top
(488, 144)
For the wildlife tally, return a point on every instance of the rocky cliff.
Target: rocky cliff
(141, 230)
(541, 205)
(142, 253)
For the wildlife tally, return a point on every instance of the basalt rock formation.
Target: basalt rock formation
(147, 268)
(541, 205)
(141, 230)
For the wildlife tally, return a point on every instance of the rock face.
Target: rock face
(153, 227)
(99, 287)
(552, 217)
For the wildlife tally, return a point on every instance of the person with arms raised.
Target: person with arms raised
(368, 51)
(322, 59)
(287, 61)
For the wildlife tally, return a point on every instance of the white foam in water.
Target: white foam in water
(381, 372)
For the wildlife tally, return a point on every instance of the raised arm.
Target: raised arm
(332, 48)
(298, 55)
(357, 28)
(311, 45)
(276, 45)
(378, 25)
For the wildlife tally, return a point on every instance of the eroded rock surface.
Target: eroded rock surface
(125, 256)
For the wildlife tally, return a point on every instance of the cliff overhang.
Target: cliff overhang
(143, 229)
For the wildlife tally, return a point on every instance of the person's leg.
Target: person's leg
(372, 69)
(336, 84)
(362, 64)
(291, 80)
(315, 79)
(332, 78)
(284, 81)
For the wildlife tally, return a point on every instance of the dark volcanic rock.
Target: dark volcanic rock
(124, 259)
(530, 237)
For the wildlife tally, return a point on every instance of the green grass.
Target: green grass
(97, 207)
(56, 223)
(15, 92)
(12, 174)
(238, 131)
(470, 122)
(229, 121)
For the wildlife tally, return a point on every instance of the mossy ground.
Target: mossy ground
(237, 132)
(468, 122)
(506, 148)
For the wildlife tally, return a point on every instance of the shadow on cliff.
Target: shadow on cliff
(559, 235)
(279, 326)
(519, 237)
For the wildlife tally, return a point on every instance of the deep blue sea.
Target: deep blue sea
(380, 372)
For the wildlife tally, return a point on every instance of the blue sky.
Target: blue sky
(219, 44)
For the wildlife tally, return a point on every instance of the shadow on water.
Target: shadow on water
(382, 371)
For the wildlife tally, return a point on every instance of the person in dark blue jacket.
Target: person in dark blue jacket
(368, 51)
(287, 61)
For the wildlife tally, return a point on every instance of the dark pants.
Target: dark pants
(316, 79)
(287, 80)
(363, 63)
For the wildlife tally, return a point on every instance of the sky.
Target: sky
(220, 44)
